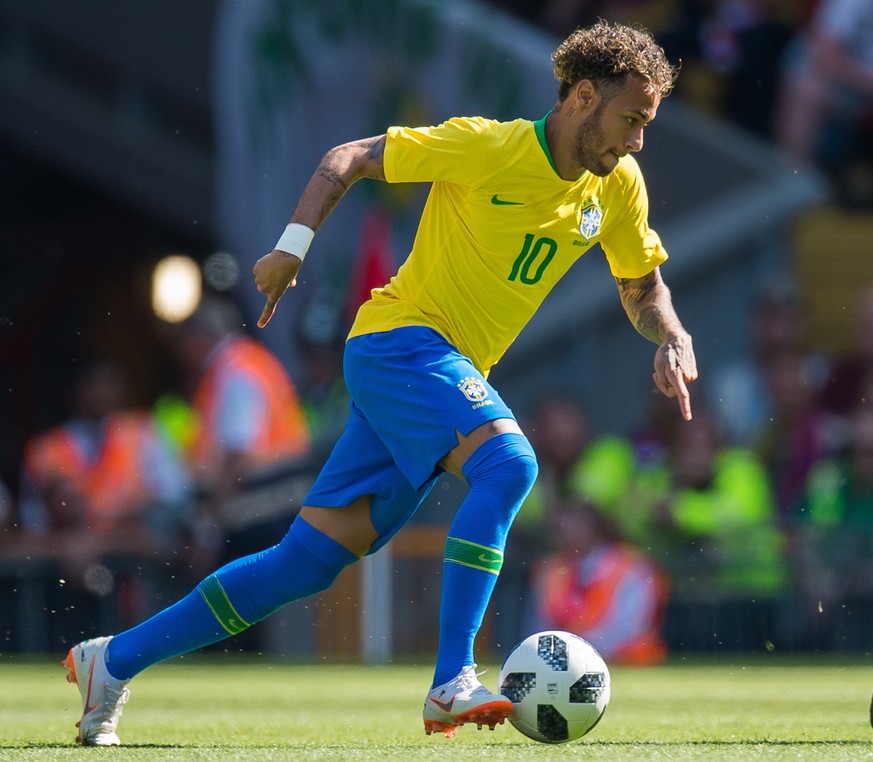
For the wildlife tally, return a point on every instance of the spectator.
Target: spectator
(573, 464)
(323, 390)
(101, 489)
(827, 83)
(559, 432)
(738, 393)
(7, 510)
(833, 565)
(798, 433)
(250, 441)
(847, 386)
(600, 588)
(729, 48)
(560, 16)
(738, 44)
(107, 454)
(713, 527)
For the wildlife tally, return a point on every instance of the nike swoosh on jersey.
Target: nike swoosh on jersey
(489, 559)
(500, 202)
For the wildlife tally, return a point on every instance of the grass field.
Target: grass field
(209, 708)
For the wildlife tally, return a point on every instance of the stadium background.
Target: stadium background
(134, 130)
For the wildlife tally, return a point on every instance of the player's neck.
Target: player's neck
(560, 138)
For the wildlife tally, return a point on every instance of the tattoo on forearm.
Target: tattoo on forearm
(331, 203)
(650, 321)
(646, 307)
(332, 176)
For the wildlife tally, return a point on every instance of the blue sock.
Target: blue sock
(233, 598)
(500, 473)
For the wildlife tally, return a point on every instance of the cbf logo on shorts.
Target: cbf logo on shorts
(475, 390)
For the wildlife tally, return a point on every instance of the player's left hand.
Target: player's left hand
(274, 274)
(675, 367)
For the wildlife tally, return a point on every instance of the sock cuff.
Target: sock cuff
(215, 597)
(473, 555)
(324, 548)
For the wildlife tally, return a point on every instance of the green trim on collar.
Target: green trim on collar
(540, 130)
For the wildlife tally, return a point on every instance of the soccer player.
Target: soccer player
(511, 207)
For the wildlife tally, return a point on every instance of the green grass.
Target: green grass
(210, 708)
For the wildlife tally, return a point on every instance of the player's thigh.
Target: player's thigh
(422, 397)
(360, 497)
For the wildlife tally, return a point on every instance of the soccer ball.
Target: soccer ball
(558, 685)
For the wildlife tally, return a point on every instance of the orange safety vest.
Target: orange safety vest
(578, 607)
(112, 484)
(285, 435)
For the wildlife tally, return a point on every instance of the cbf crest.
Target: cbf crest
(473, 388)
(590, 219)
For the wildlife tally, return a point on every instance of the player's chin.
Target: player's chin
(607, 164)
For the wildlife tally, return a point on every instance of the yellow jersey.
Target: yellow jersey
(500, 227)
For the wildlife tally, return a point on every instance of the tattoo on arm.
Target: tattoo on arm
(332, 176)
(376, 149)
(647, 303)
(340, 168)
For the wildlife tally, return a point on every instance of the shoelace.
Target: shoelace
(110, 709)
(468, 680)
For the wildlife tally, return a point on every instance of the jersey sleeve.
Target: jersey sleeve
(459, 150)
(632, 248)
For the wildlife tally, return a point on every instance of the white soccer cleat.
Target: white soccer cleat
(461, 700)
(103, 697)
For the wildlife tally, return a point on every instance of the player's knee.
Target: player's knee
(506, 459)
(350, 526)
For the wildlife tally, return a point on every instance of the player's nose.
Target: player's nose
(634, 141)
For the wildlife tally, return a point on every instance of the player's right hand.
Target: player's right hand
(274, 274)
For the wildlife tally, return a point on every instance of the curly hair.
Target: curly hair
(608, 53)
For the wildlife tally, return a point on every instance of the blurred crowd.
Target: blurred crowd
(749, 527)
(214, 470)
(795, 72)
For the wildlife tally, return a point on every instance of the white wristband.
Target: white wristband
(295, 240)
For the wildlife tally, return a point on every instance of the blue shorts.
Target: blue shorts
(411, 393)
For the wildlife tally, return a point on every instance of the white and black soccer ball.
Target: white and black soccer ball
(558, 685)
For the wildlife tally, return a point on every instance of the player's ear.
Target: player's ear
(585, 93)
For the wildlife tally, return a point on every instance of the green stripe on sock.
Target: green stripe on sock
(216, 598)
(472, 554)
